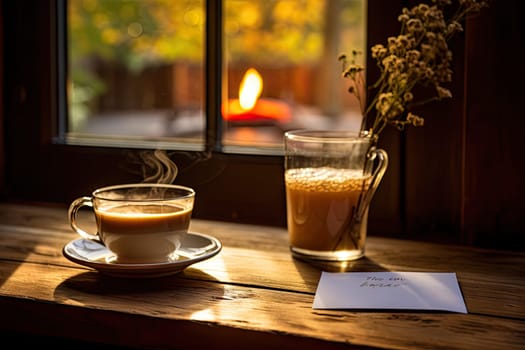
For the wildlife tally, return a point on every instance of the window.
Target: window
(136, 71)
(235, 164)
(133, 76)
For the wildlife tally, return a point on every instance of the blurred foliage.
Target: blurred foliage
(142, 33)
(288, 31)
(136, 32)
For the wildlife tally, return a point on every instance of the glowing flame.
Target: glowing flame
(250, 89)
(250, 108)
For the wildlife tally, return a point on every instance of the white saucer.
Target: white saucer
(195, 247)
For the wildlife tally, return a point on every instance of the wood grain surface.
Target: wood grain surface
(253, 294)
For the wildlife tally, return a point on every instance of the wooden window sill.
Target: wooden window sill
(253, 294)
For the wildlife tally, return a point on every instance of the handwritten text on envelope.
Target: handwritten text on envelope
(389, 290)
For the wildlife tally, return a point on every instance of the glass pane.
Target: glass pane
(282, 58)
(135, 71)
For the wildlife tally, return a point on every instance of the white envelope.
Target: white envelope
(389, 290)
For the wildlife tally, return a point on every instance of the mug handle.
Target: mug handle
(377, 175)
(72, 213)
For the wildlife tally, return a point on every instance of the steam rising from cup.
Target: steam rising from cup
(158, 168)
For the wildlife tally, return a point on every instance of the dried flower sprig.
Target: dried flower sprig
(418, 56)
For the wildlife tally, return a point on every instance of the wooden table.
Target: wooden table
(251, 295)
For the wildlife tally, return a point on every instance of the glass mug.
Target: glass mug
(330, 179)
(138, 223)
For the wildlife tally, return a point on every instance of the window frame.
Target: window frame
(41, 167)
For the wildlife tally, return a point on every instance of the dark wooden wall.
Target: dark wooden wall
(460, 178)
(494, 127)
(2, 144)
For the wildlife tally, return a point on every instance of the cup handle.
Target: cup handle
(73, 210)
(377, 175)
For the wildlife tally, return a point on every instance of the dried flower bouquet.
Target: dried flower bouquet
(418, 57)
